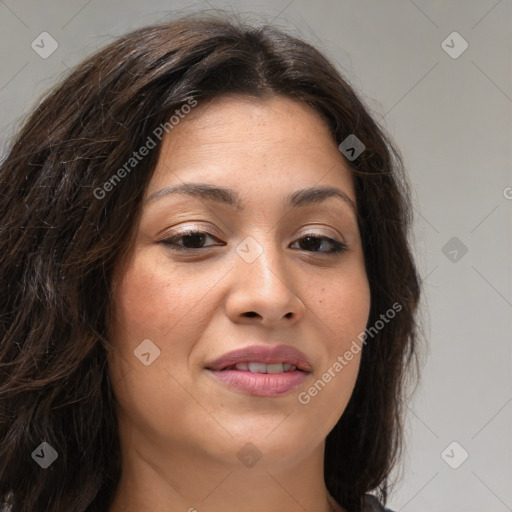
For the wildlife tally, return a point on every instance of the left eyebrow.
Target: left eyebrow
(299, 198)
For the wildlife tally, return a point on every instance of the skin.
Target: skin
(180, 429)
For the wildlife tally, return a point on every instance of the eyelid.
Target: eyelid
(334, 233)
(186, 228)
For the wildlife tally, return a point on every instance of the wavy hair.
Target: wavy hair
(60, 244)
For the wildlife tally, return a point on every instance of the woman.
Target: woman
(208, 297)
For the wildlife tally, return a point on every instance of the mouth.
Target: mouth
(256, 367)
(261, 371)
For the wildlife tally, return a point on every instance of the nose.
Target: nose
(264, 291)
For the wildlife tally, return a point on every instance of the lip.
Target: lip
(262, 354)
(261, 384)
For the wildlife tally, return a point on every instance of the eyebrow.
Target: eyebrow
(297, 199)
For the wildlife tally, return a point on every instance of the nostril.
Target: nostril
(251, 314)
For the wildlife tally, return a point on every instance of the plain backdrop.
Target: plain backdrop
(449, 109)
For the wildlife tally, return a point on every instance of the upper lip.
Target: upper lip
(262, 354)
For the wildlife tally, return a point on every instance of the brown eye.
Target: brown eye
(192, 240)
(312, 243)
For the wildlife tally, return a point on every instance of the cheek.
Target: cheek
(151, 304)
(146, 307)
(343, 307)
(324, 401)
(343, 304)
(154, 301)
(142, 302)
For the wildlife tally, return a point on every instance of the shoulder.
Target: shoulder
(372, 504)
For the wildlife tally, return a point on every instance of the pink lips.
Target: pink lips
(261, 384)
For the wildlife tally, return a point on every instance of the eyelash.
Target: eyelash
(338, 247)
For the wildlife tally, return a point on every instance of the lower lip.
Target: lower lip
(261, 384)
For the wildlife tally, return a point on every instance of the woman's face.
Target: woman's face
(251, 279)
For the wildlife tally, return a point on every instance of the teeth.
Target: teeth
(257, 367)
(275, 368)
(265, 368)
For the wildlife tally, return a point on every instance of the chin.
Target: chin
(274, 442)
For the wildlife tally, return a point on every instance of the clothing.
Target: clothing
(372, 504)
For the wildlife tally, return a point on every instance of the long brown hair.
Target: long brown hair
(60, 243)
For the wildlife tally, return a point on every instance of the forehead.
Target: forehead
(247, 119)
(253, 145)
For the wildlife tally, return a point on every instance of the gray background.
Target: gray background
(452, 119)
